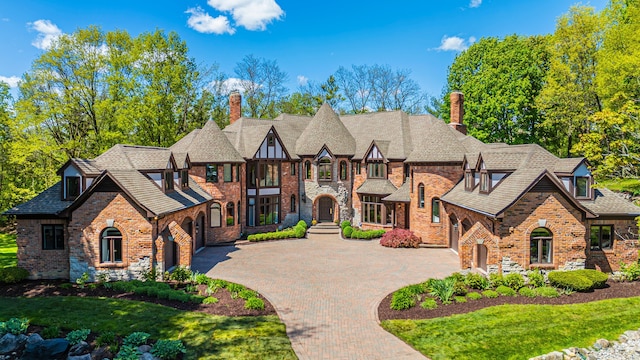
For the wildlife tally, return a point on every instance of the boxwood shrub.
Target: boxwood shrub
(476, 281)
(527, 292)
(347, 231)
(490, 294)
(514, 281)
(598, 277)
(366, 234)
(429, 304)
(403, 299)
(505, 291)
(12, 275)
(547, 291)
(577, 280)
(297, 232)
(474, 296)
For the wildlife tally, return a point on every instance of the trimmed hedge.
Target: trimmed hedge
(297, 232)
(578, 280)
(12, 275)
(347, 231)
(344, 224)
(366, 234)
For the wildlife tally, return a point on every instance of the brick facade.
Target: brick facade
(41, 264)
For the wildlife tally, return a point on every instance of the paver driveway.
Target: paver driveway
(327, 290)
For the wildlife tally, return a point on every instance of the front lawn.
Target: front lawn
(205, 336)
(518, 331)
(8, 250)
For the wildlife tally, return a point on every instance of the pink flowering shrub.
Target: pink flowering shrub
(400, 238)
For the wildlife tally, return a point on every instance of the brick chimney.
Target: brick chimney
(235, 106)
(457, 112)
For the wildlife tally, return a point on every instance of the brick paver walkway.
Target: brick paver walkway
(327, 290)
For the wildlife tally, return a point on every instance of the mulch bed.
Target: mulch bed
(612, 290)
(226, 305)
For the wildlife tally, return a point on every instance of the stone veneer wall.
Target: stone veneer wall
(41, 264)
(625, 244)
(338, 190)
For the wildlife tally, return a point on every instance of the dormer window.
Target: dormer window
(168, 181)
(72, 186)
(485, 184)
(376, 170)
(583, 187)
(212, 173)
(469, 180)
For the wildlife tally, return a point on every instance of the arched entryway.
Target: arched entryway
(325, 209)
(454, 232)
(481, 257)
(171, 253)
(199, 235)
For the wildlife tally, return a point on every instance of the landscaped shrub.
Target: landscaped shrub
(598, 277)
(495, 280)
(366, 234)
(344, 224)
(443, 289)
(570, 280)
(476, 281)
(536, 279)
(168, 349)
(235, 289)
(347, 231)
(459, 288)
(630, 272)
(15, 326)
(527, 292)
(298, 231)
(254, 303)
(403, 299)
(12, 275)
(181, 274)
(50, 332)
(547, 291)
(196, 299)
(400, 238)
(505, 291)
(164, 294)
(459, 299)
(429, 304)
(77, 336)
(106, 338)
(128, 352)
(210, 300)
(474, 296)
(202, 279)
(490, 294)
(246, 294)
(514, 281)
(303, 224)
(136, 339)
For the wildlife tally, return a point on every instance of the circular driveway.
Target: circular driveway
(327, 290)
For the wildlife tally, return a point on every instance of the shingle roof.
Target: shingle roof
(568, 165)
(390, 130)
(401, 195)
(434, 141)
(88, 167)
(208, 145)
(606, 202)
(48, 202)
(325, 129)
(143, 158)
(377, 187)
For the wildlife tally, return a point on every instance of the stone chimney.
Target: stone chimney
(235, 106)
(457, 112)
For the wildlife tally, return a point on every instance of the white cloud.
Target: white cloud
(48, 33)
(475, 3)
(250, 14)
(11, 80)
(302, 80)
(455, 43)
(202, 22)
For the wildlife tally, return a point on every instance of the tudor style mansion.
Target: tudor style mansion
(501, 207)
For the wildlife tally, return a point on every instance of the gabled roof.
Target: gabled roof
(568, 165)
(377, 187)
(401, 195)
(326, 129)
(47, 203)
(134, 157)
(608, 203)
(434, 141)
(86, 167)
(390, 128)
(208, 145)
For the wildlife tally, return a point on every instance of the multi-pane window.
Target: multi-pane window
(251, 212)
(293, 203)
(216, 215)
(252, 175)
(231, 213)
(372, 209)
(541, 249)
(435, 210)
(227, 173)
(421, 195)
(184, 177)
(343, 170)
(358, 168)
(168, 180)
(484, 182)
(469, 182)
(582, 187)
(111, 246)
(269, 207)
(73, 187)
(212, 172)
(269, 175)
(53, 237)
(601, 237)
(324, 170)
(376, 170)
(307, 169)
(293, 168)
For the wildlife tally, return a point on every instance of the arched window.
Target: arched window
(307, 169)
(216, 215)
(111, 246)
(293, 203)
(435, 209)
(541, 246)
(343, 170)
(421, 195)
(231, 213)
(324, 169)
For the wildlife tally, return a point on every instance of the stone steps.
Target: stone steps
(324, 228)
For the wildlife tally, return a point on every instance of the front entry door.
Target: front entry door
(325, 209)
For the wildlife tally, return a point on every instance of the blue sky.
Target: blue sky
(308, 39)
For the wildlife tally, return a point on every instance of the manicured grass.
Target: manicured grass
(627, 185)
(518, 331)
(205, 336)
(8, 250)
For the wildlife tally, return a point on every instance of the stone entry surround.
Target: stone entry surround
(327, 290)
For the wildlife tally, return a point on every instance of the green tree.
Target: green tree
(570, 95)
(500, 79)
(262, 84)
